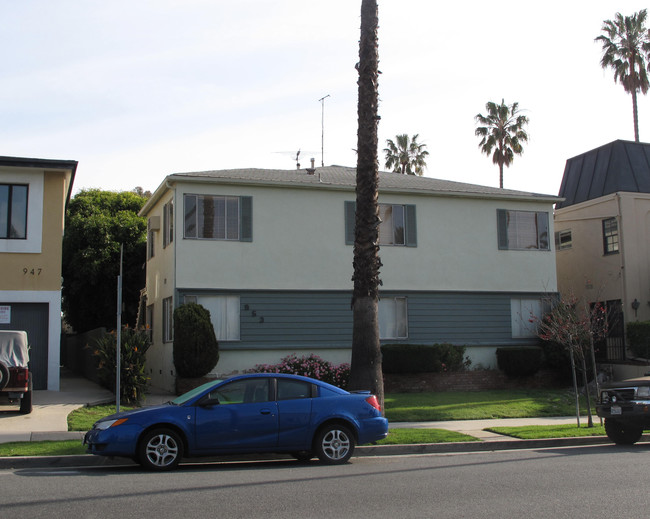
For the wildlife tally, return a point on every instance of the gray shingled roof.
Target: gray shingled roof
(617, 166)
(339, 176)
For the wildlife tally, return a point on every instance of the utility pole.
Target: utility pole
(118, 349)
(322, 134)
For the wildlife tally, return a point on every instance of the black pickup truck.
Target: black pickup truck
(625, 406)
(15, 378)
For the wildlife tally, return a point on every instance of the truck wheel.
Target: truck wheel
(26, 403)
(622, 433)
(4, 375)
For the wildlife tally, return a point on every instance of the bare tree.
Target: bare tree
(365, 371)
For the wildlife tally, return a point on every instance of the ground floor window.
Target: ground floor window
(526, 314)
(224, 314)
(393, 318)
(168, 320)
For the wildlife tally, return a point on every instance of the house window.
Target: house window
(209, 217)
(224, 314)
(610, 236)
(526, 314)
(168, 319)
(190, 299)
(168, 223)
(563, 240)
(398, 224)
(393, 318)
(522, 230)
(13, 211)
(151, 243)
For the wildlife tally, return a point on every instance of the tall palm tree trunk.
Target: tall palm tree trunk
(636, 116)
(365, 370)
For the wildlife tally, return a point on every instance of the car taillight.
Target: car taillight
(372, 400)
(21, 376)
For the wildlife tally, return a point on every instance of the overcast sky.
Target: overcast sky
(137, 89)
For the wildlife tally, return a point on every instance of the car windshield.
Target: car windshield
(185, 397)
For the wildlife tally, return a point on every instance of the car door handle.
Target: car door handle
(265, 411)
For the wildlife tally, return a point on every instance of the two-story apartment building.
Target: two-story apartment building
(602, 231)
(33, 197)
(269, 253)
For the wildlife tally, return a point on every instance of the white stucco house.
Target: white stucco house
(269, 253)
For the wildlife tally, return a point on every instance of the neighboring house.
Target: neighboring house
(270, 253)
(602, 234)
(33, 198)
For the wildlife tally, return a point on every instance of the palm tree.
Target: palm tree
(626, 46)
(502, 131)
(365, 369)
(406, 156)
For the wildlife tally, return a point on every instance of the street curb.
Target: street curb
(90, 460)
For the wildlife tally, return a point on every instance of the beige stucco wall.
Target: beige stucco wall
(585, 271)
(39, 269)
(299, 243)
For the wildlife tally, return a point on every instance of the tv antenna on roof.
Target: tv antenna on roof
(322, 135)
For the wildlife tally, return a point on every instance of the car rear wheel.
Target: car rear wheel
(622, 433)
(160, 449)
(4, 375)
(334, 444)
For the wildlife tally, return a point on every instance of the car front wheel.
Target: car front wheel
(334, 444)
(160, 449)
(622, 433)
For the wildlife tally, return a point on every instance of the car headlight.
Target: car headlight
(105, 424)
(643, 391)
(604, 397)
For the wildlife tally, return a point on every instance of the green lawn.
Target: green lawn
(400, 407)
(474, 405)
(536, 432)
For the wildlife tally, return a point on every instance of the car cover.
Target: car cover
(13, 349)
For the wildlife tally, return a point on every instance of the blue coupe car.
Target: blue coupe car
(253, 413)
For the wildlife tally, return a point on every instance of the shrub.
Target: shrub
(520, 362)
(309, 366)
(419, 358)
(638, 338)
(134, 346)
(196, 350)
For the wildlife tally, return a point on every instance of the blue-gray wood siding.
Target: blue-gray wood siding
(319, 320)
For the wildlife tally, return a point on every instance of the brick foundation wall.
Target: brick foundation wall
(467, 381)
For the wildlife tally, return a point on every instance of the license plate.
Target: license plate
(616, 409)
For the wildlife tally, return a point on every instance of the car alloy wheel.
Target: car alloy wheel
(160, 449)
(335, 444)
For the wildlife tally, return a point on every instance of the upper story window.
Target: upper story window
(563, 240)
(210, 217)
(13, 211)
(522, 230)
(610, 236)
(398, 224)
(168, 223)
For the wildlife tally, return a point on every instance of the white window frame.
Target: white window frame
(168, 223)
(225, 314)
(390, 230)
(393, 318)
(168, 319)
(525, 315)
(35, 192)
(523, 230)
(229, 221)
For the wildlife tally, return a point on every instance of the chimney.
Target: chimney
(312, 170)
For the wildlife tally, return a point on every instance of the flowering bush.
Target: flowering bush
(309, 366)
(133, 379)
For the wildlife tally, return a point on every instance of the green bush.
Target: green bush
(638, 338)
(196, 350)
(520, 362)
(134, 346)
(420, 358)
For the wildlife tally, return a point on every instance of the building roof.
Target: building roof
(614, 167)
(51, 164)
(340, 177)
